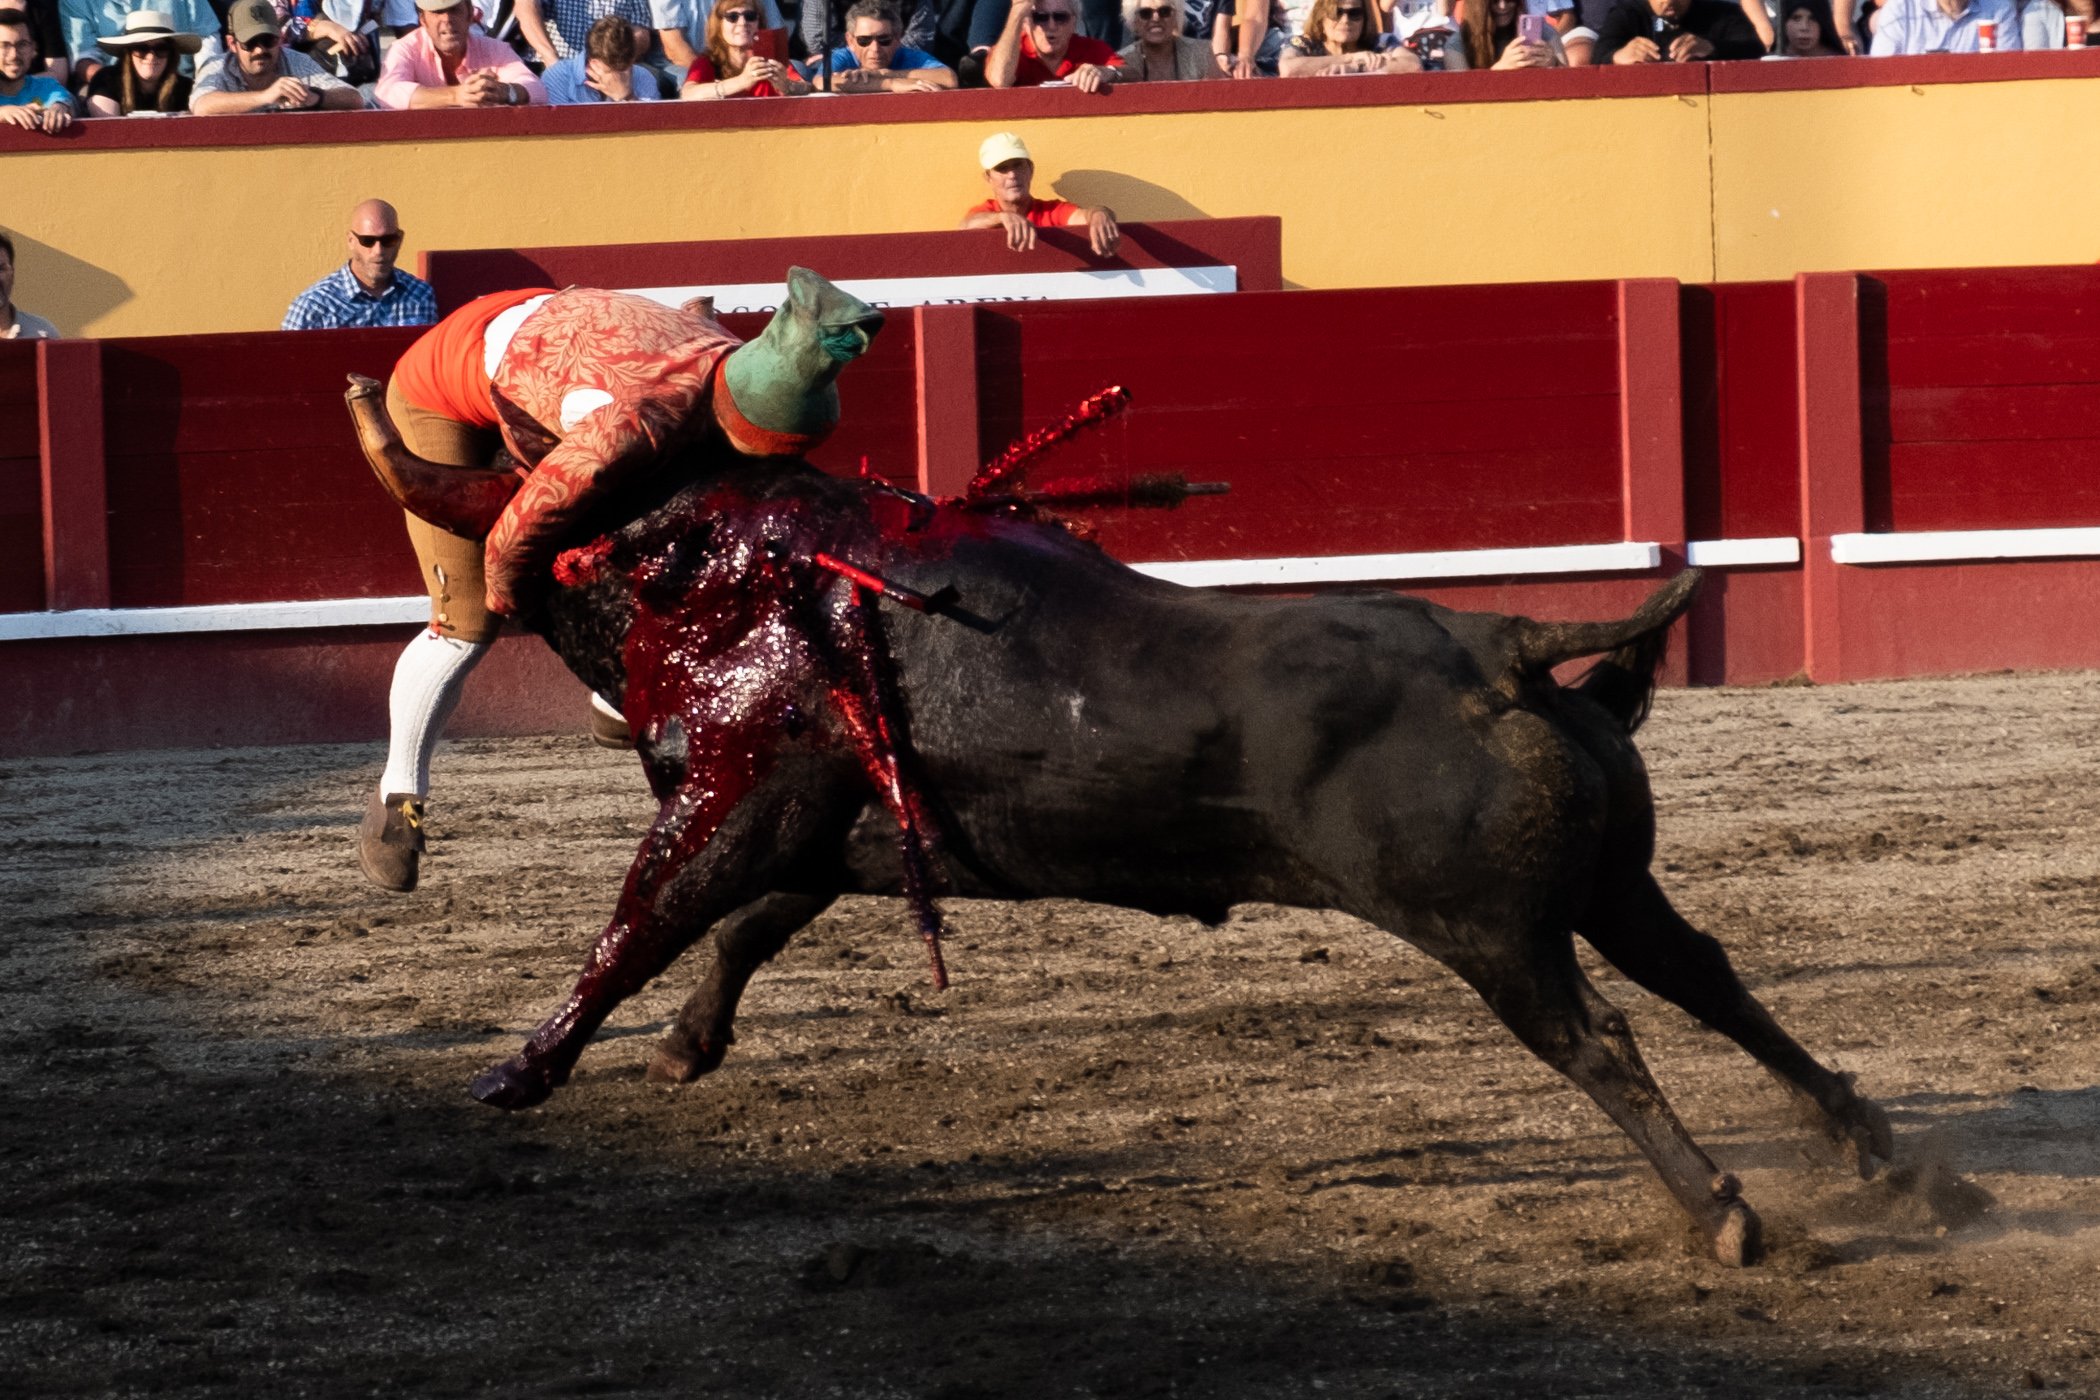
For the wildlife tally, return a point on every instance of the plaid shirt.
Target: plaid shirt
(568, 21)
(339, 301)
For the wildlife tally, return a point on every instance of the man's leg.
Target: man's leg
(432, 671)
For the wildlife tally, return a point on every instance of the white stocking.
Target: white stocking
(427, 683)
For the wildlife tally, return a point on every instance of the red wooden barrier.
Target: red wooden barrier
(21, 480)
(1769, 423)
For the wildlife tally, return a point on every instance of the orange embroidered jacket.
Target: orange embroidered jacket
(593, 388)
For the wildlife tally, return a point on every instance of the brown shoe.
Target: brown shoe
(390, 841)
(610, 731)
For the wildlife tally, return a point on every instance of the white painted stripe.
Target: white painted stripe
(962, 288)
(1213, 573)
(227, 617)
(1397, 568)
(1737, 554)
(1922, 546)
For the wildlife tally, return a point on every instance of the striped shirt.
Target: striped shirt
(339, 301)
(569, 21)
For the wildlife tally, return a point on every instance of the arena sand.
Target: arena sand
(1125, 1157)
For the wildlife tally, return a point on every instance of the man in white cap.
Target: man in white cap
(1009, 171)
(446, 64)
(259, 74)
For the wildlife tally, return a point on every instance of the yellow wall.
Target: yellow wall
(220, 239)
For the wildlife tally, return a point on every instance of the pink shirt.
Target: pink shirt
(413, 63)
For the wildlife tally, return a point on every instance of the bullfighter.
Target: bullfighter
(586, 390)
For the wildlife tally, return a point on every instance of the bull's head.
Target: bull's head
(782, 382)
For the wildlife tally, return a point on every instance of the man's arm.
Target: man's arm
(1736, 37)
(1003, 64)
(1100, 225)
(533, 26)
(1621, 26)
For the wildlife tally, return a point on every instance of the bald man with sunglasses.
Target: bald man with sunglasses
(367, 290)
(1041, 43)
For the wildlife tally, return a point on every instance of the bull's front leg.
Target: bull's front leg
(709, 852)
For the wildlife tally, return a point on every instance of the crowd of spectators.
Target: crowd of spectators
(64, 59)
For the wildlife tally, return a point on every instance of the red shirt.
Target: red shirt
(1031, 70)
(446, 370)
(1043, 213)
(703, 71)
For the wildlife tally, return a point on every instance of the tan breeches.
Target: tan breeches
(452, 569)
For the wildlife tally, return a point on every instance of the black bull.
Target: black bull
(1081, 731)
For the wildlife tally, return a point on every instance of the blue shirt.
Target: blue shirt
(566, 86)
(339, 301)
(38, 91)
(1920, 26)
(905, 57)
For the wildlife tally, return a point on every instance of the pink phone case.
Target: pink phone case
(1531, 28)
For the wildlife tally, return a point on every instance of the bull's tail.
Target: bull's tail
(1624, 681)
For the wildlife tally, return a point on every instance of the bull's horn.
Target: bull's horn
(781, 383)
(451, 498)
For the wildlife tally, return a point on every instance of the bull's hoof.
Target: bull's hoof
(1740, 1241)
(679, 1061)
(513, 1084)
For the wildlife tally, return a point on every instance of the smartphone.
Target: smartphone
(1531, 28)
(1665, 35)
(773, 44)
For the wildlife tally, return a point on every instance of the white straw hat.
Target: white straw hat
(143, 27)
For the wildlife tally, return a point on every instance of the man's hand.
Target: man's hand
(1101, 231)
(28, 118)
(481, 88)
(291, 94)
(1687, 47)
(1522, 55)
(907, 84)
(613, 84)
(1020, 234)
(1400, 60)
(1639, 49)
(57, 117)
(1090, 77)
(1234, 66)
(348, 41)
(1848, 42)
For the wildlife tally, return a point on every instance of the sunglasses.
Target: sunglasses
(1348, 14)
(740, 17)
(1053, 16)
(261, 43)
(862, 41)
(154, 51)
(379, 240)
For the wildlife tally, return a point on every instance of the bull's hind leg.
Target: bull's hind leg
(1632, 924)
(1539, 991)
(697, 864)
(744, 942)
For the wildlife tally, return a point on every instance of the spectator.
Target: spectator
(681, 27)
(350, 51)
(85, 21)
(876, 58)
(15, 323)
(146, 77)
(259, 74)
(1339, 39)
(1162, 52)
(53, 56)
(1487, 38)
(732, 65)
(2042, 21)
(32, 101)
(367, 290)
(604, 71)
(1941, 26)
(1039, 45)
(568, 36)
(1009, 172)
(1243, 51)
(1676, 31)
(918, 26)
(1806, 30)
(446, 64)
